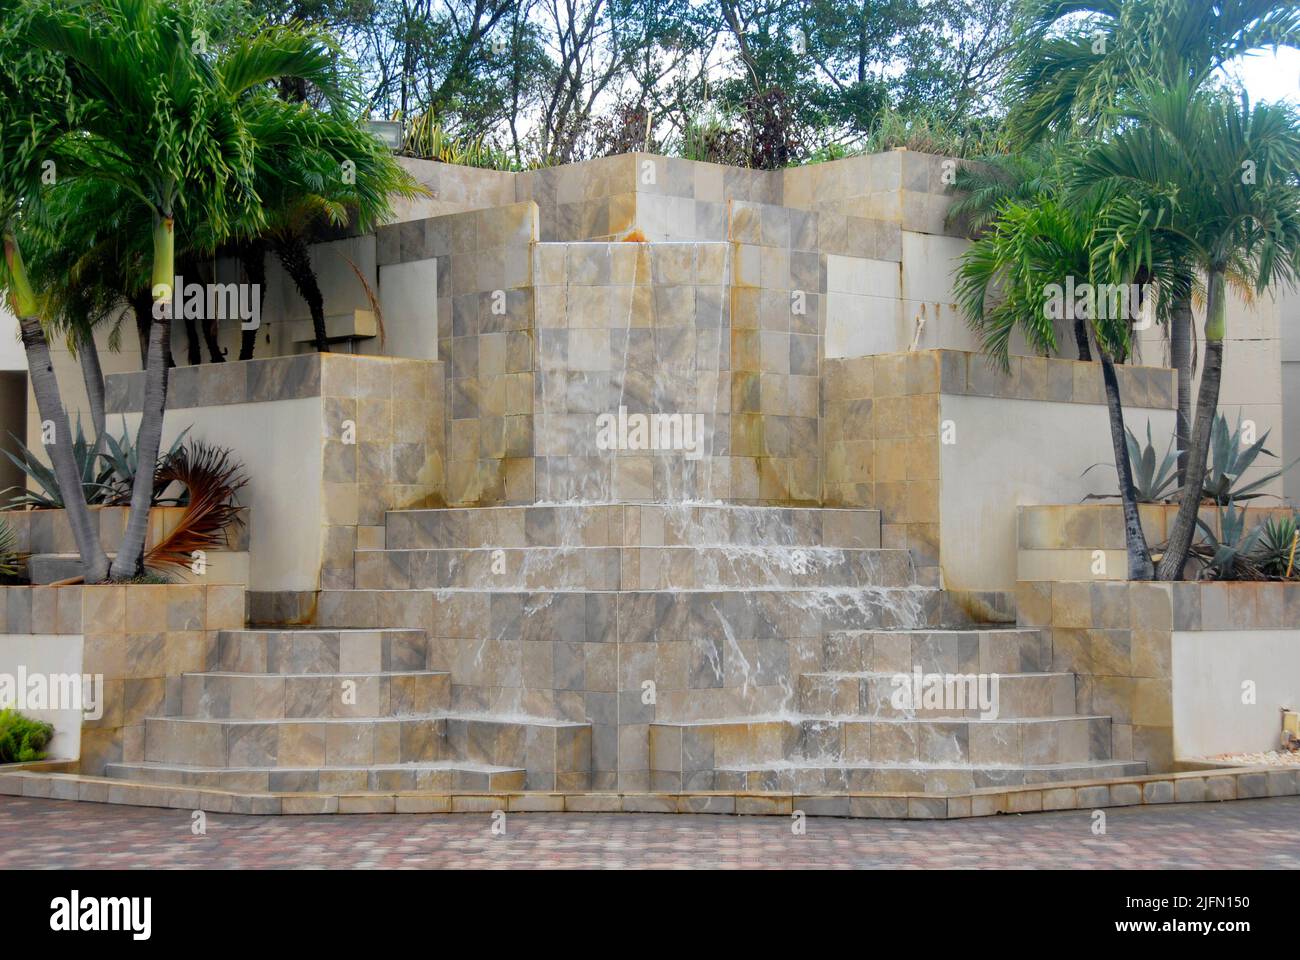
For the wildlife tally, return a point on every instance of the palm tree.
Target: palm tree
(33, 118)
(314, 167)
(1077, 60)
(162, 115)
(1219, 177)
(1002, 284)
(1032, 176)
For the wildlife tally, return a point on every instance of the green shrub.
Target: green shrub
(21, 738)
(11, 561)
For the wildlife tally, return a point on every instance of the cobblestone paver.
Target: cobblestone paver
(1244, 834)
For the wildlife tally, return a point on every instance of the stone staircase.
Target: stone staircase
(624, 647)
(772, 638)
(345, 711)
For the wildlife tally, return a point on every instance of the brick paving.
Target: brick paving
(54, 833)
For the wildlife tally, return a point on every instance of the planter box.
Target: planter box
(1169, 661)
(946, 449)
(139, 638)
(1086, 540)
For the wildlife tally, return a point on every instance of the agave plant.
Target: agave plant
(106, 477)
(1230, 555)
(96, 480)
(1279, 546)
(212, 481)
(1230, 458)
(123, 459)
(1155, 478)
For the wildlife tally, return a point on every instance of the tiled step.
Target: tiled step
(555, 754)
(435, 776)
(274, 696)
(633, 525)
(295, 743)
(874, 695)
(975, 650)
(488, 613)
(321, 650)
(633, 568)
(894, 778)
(1020, 741)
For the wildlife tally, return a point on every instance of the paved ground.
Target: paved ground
(54, 833)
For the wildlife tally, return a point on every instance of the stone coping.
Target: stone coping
(1150, 789)
(298, 377)
(967, 373)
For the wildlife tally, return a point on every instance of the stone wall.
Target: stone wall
(1118, 638)
(329, 443)
(139, 637)
(945, 447)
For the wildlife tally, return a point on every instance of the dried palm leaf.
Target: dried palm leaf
(212, 481)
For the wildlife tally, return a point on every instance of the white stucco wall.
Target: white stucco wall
(1010, 453)
(1252, 370)
(280, 446)
(1289, 319)
(49, 655)
(12, 356)
(1209, 669)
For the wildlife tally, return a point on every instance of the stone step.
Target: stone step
(892, 778)
(274, 696)
(1019, 741)
(321, 651)
(436, 776)
(1010, 695)
(555, 754)
(633, 568)
(974, 650)
(511, 614)
(633, 525)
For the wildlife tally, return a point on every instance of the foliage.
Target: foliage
(1230, 458)
(1279, 546)
(212, 481)
(425, 138)
(1229, 555)
(932, 131)
(1155, 477)
(96, 478)
(22, 739)
(11, 561)
(106, 477)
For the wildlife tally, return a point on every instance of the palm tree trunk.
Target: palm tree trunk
(1207, 404)
(253, 257)
(1135, 542)
(1180, 356)
(142, 307)
(294, 255)
(45, 385)
(1081, 339)
(93, 375)
(193, 353)
(129, 561)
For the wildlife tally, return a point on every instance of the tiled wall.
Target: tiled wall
(882, 423)
(140, 637)
(485, 338)
(382, 437)
(639, 326)
(1116, 638)
(1078, 541)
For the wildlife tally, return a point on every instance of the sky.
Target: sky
(1270, 76)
